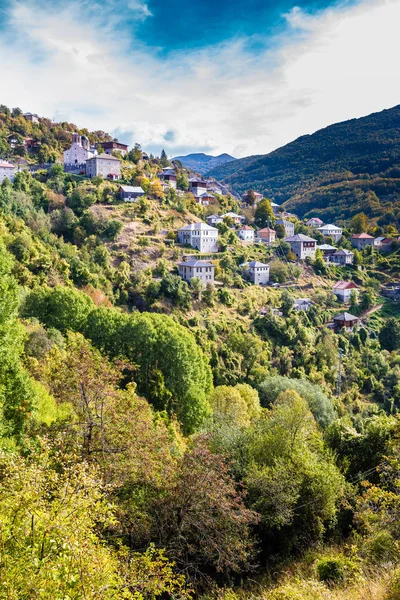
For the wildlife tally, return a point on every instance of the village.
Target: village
(281, 237)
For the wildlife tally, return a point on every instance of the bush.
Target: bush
(383, 547)
(336, 569)
(300, 590)
(394, 587)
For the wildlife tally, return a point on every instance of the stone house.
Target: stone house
(257, 272)
(200, 236)
(205, 198)
(314, 222)
(34, 118)
(7, 171)
(302, 304)
(197, 186)
(345, 320)
(109, 147)
(79, 152)
(288, 225)
(266, 236)
(331, 231)
(168, 176)
(214, 219)
(343, 290)
(342, 257)
(360, 240)
(103, 165)
(302, 246)
(130, 193)
(246, 233)
(327, 250)
(202, 269)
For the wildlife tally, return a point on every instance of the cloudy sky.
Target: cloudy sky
(200, 75)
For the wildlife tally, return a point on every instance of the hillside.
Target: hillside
(335, 172)
(203, 163)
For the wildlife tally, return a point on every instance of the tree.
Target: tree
(389, 335)
(264, 215)
(279, 271)
(359, 223)
(164, 159)
(250, 198)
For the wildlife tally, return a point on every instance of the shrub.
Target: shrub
(394, 587)
(299, 590)
(383, 547)
(336, 569)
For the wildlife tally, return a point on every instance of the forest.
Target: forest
(161, 439)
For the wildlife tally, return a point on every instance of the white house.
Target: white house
(302, 245)
(201, 269)
(344, 289)
(103, 165)
(314, 222)
(303, 304)
(7, 171)
(34, 118)
(79, 152)
(288, 225)
(214, 219)
(200, 236)
(331, 231)
(246, 233)
(257, 272)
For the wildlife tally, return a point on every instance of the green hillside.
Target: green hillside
(335, 173)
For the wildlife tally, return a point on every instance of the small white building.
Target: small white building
(343, 290)
(246, 233)
(302, 304)
(302, 246)
(7, 171)
(32, 117)
(257, 272)
(201, 269)
(331, 231)
(105, 166)
(288, 225)
(79, 152)
(342, 257)
(200, 236)
(314, 222)
(214, 219)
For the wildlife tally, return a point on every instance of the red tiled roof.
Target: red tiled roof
(362, 236)
(267, 230)
(345, 285)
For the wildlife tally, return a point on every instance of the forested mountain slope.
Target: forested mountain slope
(202, 163)
(337, 171)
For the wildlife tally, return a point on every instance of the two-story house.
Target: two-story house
(342, 257)
(237, 219)
(332, 231)
(257, 272)
(288, 225)
(246, 233)
(302, 246)
(103, 165)
(168, 176)
(200, 236)
(314, 222)
(327, 250)
(7, 171)
(214, 219)
(344, 289)
(201, 269)
(266, 236)
(361, 240)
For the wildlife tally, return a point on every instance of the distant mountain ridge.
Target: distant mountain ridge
(342, 169)
(202, 163)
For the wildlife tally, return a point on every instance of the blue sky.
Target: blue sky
(212, 76)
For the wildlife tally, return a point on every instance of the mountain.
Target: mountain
(202, 163)
(336, 172)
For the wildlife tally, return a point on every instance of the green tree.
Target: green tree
(264, 215)
(359, 223)
(389, 335)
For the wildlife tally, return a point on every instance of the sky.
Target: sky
(208, 76)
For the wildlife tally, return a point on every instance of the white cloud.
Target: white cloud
(335, 65)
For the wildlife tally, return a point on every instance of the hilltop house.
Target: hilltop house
(327, 250)
(288, 225)
(246, 233)
(110, 147)
(197, 186)
(302, 246)
(257, 272)
(200, 236)
(130, 193)
(201, 269)
(7, 171)
(343, 290)
(168, 176)
(314, 222)
(331, 231)
(342, 257)
(79, 152)
(302, 304)
(275, 208)
(205, 198)
(360, 240)
(345, 320)
(214, 219)
(34, 118)
(266, 236)
(103, 165)
(237, 219)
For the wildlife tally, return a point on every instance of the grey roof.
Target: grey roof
(197, 180)
(329, 226)
(207, 194)
(283, 222)
(326, 247)
(257, 263)
(300, 301)
(345, 317)
(200, 225)
(196, 263)
(168, 172)
(343, 252)
(104, 156)
(299, 237)
(133, 189)
(214, 216)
